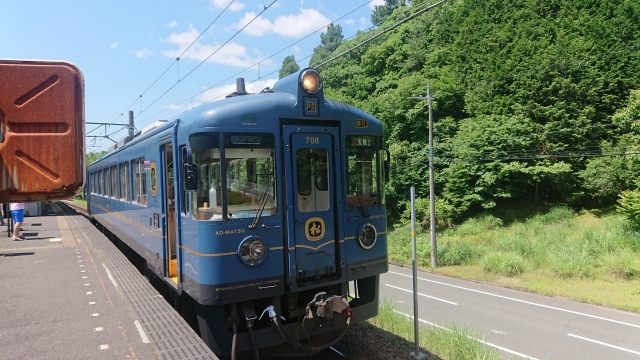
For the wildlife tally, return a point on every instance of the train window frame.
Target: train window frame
(125, 194)
(373, 173)
(139, 176)
(317, 196)
(114, 181)
(100, 183)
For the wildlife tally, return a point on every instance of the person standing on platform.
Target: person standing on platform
(17, 213)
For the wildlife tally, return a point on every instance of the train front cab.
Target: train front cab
(312, 221)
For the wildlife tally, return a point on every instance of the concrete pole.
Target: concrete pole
(432, 196)
(416, 353)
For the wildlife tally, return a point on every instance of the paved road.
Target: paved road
(519, 324)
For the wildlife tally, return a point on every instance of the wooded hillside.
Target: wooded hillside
(532, 99)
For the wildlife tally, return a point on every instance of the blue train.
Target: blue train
(266, 211)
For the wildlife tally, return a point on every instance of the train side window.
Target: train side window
(124, 182)
(139, 181)
(206, 202)
(249, 174)
(100, 183)
(312, 172)
(107, 183)
(114, 182)
(362, 171)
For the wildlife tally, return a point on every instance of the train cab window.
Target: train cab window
(124, 182)
(114, 182)
(207, 201)
(363, 172)
(312, 179)
(249, 171)
(139, 182)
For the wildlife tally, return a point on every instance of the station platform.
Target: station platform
(67, 292)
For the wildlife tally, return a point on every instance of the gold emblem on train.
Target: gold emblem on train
(314, 229)
(153, 179)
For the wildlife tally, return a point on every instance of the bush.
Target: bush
(507, 264)
(620, 264)
(477, 225)
(629, 206)
(459, 254)
(570, 260)
(521, 246)
(557, 214)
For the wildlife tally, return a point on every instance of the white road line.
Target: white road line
(605, 344)
(524, 302)
(472, 338)
(144, 337)
(109, 275)
(430, 297)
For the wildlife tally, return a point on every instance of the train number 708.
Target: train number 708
(313, 140)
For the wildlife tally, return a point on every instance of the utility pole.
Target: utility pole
(432, 195)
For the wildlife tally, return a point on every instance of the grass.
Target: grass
(558, 253)
(449, 343)
(80, 202)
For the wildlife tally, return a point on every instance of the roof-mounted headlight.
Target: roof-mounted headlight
(311, 81)
(252, 251)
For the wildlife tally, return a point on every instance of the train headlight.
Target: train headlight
(252, 251)
(367, 236)
(311, 81)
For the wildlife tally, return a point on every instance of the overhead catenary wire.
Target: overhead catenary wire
(171, 65)
(249, 67)
(409, 17)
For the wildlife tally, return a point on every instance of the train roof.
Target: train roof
(263, 110)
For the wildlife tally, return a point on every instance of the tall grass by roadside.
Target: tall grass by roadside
(551, 248)
(449, 343)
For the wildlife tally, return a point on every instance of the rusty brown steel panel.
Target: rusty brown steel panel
(42, 146)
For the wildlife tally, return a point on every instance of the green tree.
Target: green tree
(607, 176)
(329, 42)
(93, 156)
(289, 66)
(381, 12)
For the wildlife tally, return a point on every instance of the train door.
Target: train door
(312, 230)
(169, 215)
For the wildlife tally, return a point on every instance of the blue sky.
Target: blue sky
(122, 47)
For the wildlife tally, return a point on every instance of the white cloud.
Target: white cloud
(232, 54)
(221, 4)
(296, 49)
(349, 21)
(373, 3)
(220, 92)
(113, 45)
(143, 53)
(293, 26)
(363, 21)
(172, 24)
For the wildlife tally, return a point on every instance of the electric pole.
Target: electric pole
(432, 195)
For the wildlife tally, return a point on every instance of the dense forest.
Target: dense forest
(534, 100)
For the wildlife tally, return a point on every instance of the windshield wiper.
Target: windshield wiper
(262, 204)
(362, 206)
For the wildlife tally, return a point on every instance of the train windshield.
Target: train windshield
(363, 172)
(249, 169)
(247, 175)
